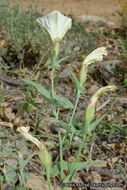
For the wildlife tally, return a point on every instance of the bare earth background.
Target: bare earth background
(110, 10)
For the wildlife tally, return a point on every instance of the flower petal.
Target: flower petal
(24, 131)
(96, 55)
(56, 24)
(90, 110)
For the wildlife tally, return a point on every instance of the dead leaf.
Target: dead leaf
(4, 104)
(96, 177)
(39, 100)
(38, 182)
(93, 89)
(8, 114)
(17, 122)
(71, 159)
(6, 124)
(4, 42)
(112, 146)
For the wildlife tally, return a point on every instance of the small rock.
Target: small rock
(65, 74)
(111, 65)
(38, 182)
(95, 19)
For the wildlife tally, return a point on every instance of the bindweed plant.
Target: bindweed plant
(56, 25)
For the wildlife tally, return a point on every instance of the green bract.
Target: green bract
(55, 24)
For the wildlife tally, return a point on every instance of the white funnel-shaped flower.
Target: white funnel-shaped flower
(55, 24)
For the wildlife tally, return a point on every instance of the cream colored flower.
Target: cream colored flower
(90, 110)
(56, 25)
(25, 132)
(96, 55)
(45, 157)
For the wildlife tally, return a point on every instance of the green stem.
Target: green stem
(69, 177)
(22, 177)
(80, 147)
(61, 155)
(53, 62)
(52, 81)
(79, 151)
(76, 103)
(48, 176)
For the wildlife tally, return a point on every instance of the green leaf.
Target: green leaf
(25, 162)
(61, 101)
(79, 166)
(63, 124)
(123, 170)
(78, 87)
(28, 91)
(89, 128)
(69, 129)
(62, 59)
(82, 165)
(31, 102)
(24, 107)
(1, 178)
(56, 169)
(56, 64)
(10, 168)
(28, 176)
(75, 123)
(39, 88)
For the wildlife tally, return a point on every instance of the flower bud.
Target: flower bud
(96, 55)
(83, 74)
(45, 157)
(90, 110)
